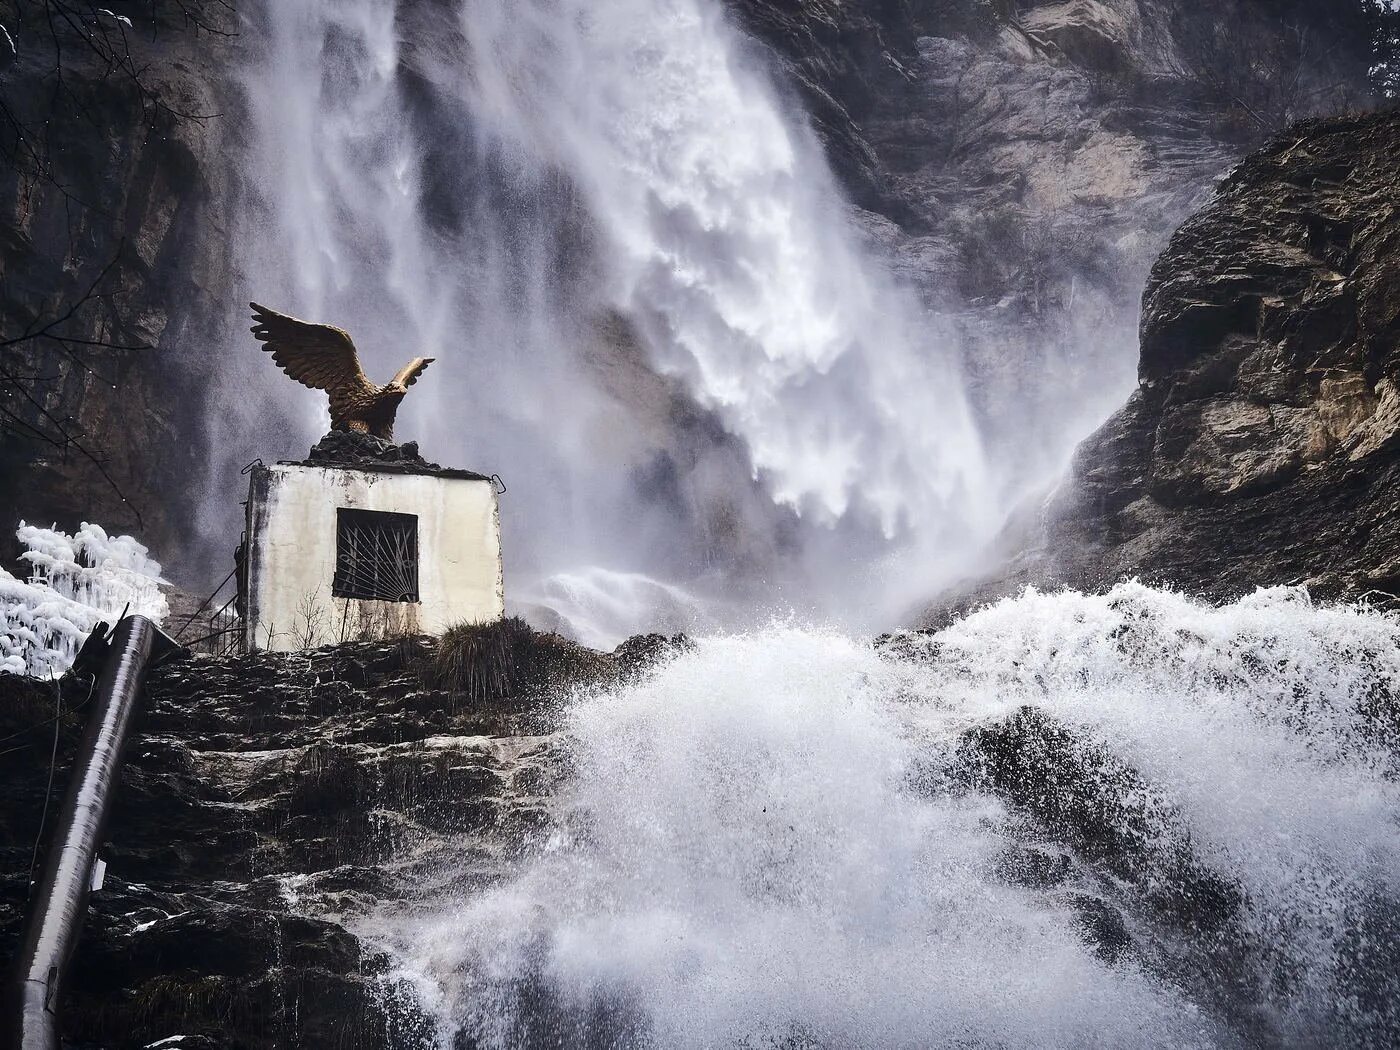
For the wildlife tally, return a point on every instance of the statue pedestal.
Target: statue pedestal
(381, 546)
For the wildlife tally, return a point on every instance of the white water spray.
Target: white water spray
(766, 844)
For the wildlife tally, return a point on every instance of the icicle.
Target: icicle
(74, 582)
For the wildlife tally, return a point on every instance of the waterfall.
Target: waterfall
(1125, 820)
(777, 840)
(652, 310)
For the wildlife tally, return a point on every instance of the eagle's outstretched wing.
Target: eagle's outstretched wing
(319, 355)
(409, 373)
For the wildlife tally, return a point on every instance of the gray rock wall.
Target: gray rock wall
(128, 180)
(1262, 445)
(1025, 163)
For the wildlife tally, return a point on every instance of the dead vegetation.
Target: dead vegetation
(486, 662)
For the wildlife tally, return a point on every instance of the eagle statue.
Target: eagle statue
(323, 357)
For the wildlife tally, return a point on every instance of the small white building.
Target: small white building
(340, 552)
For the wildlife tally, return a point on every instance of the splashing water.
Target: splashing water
(781, 839)
(650, 307)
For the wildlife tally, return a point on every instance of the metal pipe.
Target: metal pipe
(59, 899)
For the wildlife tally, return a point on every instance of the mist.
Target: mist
(654, 312)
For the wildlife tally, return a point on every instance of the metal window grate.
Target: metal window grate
(376, 556)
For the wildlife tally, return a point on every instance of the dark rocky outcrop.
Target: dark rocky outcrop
(344, 448)
(1092, 801)
(347, 448)
(643, 651)
(1139, 887)
(1263, 443)
(267, 803)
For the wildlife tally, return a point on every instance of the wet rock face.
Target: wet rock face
(1263, 443)
(130, 203)
(266, 803)
(1025, 163)
(1085, 797)
(1110, 847)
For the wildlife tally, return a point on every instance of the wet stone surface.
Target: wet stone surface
(267, 801)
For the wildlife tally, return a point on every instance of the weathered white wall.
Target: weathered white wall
(291, 555)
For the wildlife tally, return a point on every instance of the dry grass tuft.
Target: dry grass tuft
(481, 660)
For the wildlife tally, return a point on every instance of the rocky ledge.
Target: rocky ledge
(1262, 445)
(274, 805)
(266, 802)
(344, 448)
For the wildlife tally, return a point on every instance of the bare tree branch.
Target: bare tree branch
(43, 426)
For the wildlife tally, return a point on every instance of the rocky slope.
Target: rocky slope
(266, 802)
(279, 814)
(1262, 445)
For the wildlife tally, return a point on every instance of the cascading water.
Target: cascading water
(650, 309)
(652, 314)
(724, 237)
(791, 839)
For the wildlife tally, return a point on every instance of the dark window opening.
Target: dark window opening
(376, 556)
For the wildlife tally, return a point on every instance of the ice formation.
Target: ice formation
(74, 583)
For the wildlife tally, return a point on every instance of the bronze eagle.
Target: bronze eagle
(323, 357)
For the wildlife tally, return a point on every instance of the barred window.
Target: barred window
(376, 556)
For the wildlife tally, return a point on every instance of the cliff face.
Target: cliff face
(1263, 443)
(113, 195)
(1025, 163)
(266, 804)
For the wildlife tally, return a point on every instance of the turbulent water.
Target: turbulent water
(650, 309)
(1066, 821)
(791, 838)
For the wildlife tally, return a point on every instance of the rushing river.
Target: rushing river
(1066, 821)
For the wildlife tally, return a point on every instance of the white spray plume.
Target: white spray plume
(757, 848)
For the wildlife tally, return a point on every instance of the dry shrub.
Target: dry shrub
(509, 659)
(481, 661)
